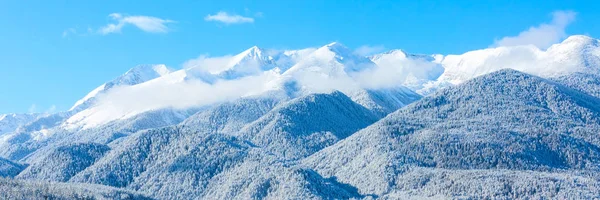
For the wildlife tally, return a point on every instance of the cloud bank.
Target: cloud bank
(543, 35)
(127, 101)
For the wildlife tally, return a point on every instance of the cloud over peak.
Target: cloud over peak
(367, 50)
(544, 35)
(227, 18)
(145, 23)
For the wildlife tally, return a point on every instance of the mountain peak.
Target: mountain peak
(160, 69)
(250, 61)
(337, 48)
(254, 50)
(140, 74)
(397, 53)
(333, 44)
(133, 76)
(580, 39)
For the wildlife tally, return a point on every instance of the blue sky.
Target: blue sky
(52, 53)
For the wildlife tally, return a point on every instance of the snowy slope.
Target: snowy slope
(431, 183)
(9, 168)
(196, 151)
(231, 117)
(179, 163)
(10, 122)
(575, 54)
(384, 101)
(249, 62)
(427, 73)
(41, 122)
(136, 75)
(586, 82)
(64, 162)
(332, 60)
(19, 189)
(29, 146)
(504, 120)
(307, 124)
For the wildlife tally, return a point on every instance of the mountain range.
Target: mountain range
(324, 123)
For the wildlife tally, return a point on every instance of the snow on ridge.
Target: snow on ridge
(336, 67)
(133, 76)
(11, 122)
(575, 54)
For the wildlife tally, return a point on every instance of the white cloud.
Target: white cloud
(393, 72)
(52, 109)
(127, 101)
(226, 18)
(68, 32)
(145, 23)
(544, 35)
(367, 50)
(32, 108)
(209, 64)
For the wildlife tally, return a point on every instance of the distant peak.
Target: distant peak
(583, 39)
(397, 52)
(161, 69)
(337, 48)
(253, 50)
(333, 44)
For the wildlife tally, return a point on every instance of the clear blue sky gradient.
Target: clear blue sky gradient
(39, 66)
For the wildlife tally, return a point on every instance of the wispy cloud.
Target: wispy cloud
(209, 64)
(52, 109)
(68, 32)
(76, 31)
(367, 50)
(145, 23)
(543, 35)
(227, 18)
(32, 108)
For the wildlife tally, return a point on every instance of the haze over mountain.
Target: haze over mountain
(327, 123)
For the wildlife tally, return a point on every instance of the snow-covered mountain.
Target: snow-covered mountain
(304, 125)
(498, 124)
(427, 73)
(134, 76)
(325, 123)
(10, 122)
(64, 162)
(252, 72)
(575, 54)
(9, 168)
